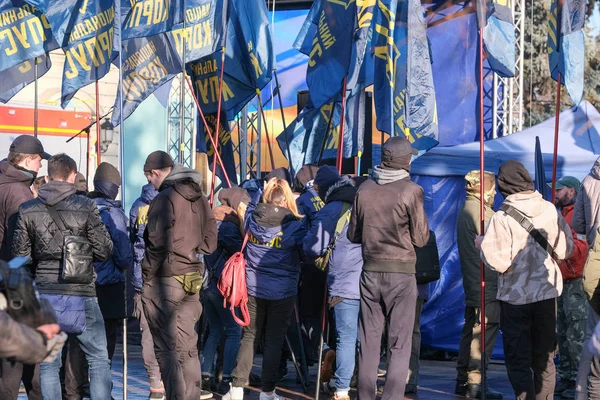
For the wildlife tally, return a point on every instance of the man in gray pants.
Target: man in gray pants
(389, 220)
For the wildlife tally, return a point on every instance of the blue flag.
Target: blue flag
(307, 132)
(24, 33)
(148, 63)
(204, 145)
(89, 33)
(15, 78)
(150, 17)
(403, 83)
(566, 48)
(248, 61)
(498, 35)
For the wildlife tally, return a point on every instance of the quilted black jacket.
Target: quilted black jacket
(37, 235)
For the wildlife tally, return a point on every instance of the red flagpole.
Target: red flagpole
(340, 153)
(216, 141)
(97, 125)
(556, 128)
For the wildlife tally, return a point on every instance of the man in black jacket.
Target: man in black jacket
(39, 237)
(17, 173)
(181, 229)
(389, 220)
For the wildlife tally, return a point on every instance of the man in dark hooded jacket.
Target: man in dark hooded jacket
(17, 173)
(181, 229)
(388, 219)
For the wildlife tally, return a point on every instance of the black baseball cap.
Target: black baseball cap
(158, 160)
(27, 144)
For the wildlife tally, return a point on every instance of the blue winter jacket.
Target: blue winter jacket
(273, 252)
(345, 262)
(138, 217)
(113, 216)
(229, 241)
(309, 203)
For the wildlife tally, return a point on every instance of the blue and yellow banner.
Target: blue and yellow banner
(204, 145)
(147, 64)
(566, 45)
(24, 33)
(15, 78)
(495, 19)
(308, 131)
(143, 18)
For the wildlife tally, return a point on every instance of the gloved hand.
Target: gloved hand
(54, 346)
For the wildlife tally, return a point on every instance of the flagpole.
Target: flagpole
(482, 214)
(556, 130)
(329, 125)
(212, 140)
(285, 133)
(262, 112)
(340, 153)
(182, 93)
(36, 106)
(215, 142)
(97, 124)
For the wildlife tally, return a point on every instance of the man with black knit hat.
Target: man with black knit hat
(388, 219)
(523, 242)
(181, 229)
(17, 173)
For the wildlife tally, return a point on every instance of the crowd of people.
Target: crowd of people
(314, 242)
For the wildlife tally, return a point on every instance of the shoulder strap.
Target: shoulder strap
(341, 222)
(528, 226)
(58, 220)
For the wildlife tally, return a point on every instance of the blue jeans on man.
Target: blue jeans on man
(93, 344)
(221, 322)
(346, 326)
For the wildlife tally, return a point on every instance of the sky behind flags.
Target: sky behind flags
(566, 47)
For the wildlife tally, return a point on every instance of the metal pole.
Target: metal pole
(98, 124)
(123, 198)
(323, 322)
(217, 126)
(556, 130)
(326, 136)
(285, 133)
(36, 106)
(340, 153)
(182, 93)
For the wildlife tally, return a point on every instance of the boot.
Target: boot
(461, 388)
(474, 392)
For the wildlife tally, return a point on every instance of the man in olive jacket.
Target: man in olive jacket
(468, 365)
(181, 229)
(388, 219)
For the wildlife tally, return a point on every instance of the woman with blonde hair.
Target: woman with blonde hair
(273, 258)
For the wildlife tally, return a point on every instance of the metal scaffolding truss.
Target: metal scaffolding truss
(508, 92)
(181, 139)
(248, 148)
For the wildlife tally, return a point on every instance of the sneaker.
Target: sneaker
(205, 394)
(410, 389)
(270, 396)
(461, 388)
(157, 393)
(381, 372)
(208, 383)
(223, 386)
(342, 395)
(327, 366)
(234, 393)
(326, 389)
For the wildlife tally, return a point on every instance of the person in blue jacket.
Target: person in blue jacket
(273, 262)
(138, 218)
(230, 226)
(309, 201)
(343, 274)
(110, 280)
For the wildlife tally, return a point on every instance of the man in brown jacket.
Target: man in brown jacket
(181, 229)
(388, 219)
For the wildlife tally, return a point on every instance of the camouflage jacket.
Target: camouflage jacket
(528, 274)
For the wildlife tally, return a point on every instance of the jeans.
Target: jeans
(346, 326)
(93, 344)
(221, 322)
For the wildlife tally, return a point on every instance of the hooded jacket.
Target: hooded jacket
(389, 219)
(181, 227)
(112, 214)
(345, 262)
(14, 191)
(309, 203)
(572, 267)
(37, 236)
(138, 218)
(528, 274)
(586, 216)
(273, 252)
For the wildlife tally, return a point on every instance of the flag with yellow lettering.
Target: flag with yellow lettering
(204, 145)
(566, 47)
(89, 33)
(15, 78)
(308, 131)
(24, 33)
(248, 61)
(495, 18)
(143, 18)
(147, 64)
(403, 83)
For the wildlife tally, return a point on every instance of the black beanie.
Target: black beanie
(327, 176)
(513, 178)
(158, 160)
(107, 173)
(306, 174)
(232, 197)
(280, 173)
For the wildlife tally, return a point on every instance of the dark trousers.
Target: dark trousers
(76, 378)
(529, 335)
(112, 327)
(392, 297)
(468, 365)
(271, 319)
(172, 315)
(148, 355)
(11, 375)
